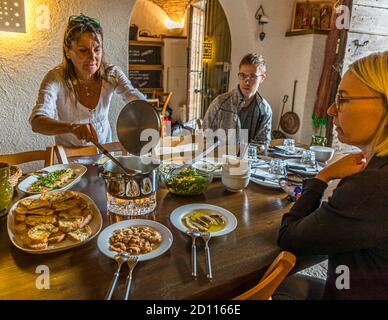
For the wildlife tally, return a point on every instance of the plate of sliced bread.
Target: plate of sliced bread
(53, 221)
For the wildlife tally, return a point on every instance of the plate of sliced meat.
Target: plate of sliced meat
(53, 221)
(204, 218)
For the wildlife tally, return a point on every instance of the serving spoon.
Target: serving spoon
(128, 171)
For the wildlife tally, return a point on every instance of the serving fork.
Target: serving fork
(131, 262)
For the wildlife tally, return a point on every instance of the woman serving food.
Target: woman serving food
(74, 98)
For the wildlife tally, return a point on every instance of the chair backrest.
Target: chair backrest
(28, 156)
(273, 277)
(64, 153)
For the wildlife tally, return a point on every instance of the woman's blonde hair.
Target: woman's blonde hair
(373, 72)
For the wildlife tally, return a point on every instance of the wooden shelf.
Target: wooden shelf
(145, 67)
(304, 32)
(146, 43)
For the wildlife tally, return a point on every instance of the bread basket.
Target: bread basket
(14, 175)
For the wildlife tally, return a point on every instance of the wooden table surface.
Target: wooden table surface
(238, 259)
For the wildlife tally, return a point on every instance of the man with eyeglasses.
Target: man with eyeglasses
(243, 107)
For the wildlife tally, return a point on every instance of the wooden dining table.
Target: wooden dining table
(238, 258)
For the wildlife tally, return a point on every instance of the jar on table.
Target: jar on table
(6, 189)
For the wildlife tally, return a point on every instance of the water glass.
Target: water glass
(252, 152)
(289, 144)
(278, 167)
(308, 158)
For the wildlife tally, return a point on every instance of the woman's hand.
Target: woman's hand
(342, 168)
(84, 131)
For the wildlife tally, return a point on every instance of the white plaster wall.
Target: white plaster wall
(288, 58)
(25, 58)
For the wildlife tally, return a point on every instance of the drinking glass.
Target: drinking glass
(252, 152)
(308, 158)
(278, 167)
(289, 144)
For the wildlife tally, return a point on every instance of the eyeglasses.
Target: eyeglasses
(250, 77)
(339, 99)
(82, 19)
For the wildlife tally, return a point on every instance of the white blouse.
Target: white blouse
(56, 101)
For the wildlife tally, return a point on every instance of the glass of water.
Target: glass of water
(252, 152)
(278, 167)
(289, 145)
(308, 158)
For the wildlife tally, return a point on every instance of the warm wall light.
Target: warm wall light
(12, 16)
(170, 24)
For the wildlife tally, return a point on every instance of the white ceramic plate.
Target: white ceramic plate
(216, 162)
(310, 171)
(298, 152)
(103, 238)
(270, 183)
(177, 215)
(78, 169)
(95, 224)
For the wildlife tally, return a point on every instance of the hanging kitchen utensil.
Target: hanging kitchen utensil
(290, 122)
(262, 19)
(135, 117)
(277, 134)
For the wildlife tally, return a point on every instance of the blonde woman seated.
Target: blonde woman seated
(352, 226)
(74, 98)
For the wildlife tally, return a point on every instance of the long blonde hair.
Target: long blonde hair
(373, 72)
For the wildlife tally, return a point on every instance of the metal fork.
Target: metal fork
(206, 237)
(132, 262)
(193, 233)
(120, 258)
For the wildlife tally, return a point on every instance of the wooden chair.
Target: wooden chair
(28, 156)
(64, 153)
(275, 274)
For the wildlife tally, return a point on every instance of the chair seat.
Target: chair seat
(65, 153)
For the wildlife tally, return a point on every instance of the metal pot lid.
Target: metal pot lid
(135, 117)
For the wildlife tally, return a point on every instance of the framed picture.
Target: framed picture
(311, 14)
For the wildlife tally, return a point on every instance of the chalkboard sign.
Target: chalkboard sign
(144, 54)
(146, 78)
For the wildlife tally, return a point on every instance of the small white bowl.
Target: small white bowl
(235, 183)
(322, 154)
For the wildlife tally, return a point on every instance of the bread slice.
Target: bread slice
(20, 217)
(80, 235)
(35, 220)
(87, 212)
(86, 221)
(26, 202)
(68, 204)
(37, 203)
(76, 211)
(70, 224)
(20, 228)
(41, 232)
(56, 237)
(58, 196)
(21, 209)
(41, 212)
